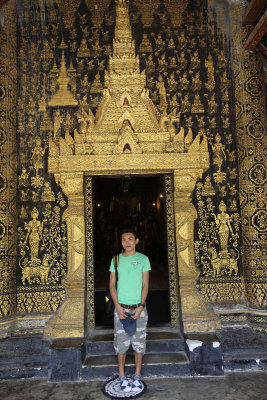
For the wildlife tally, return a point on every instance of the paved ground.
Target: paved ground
(233, 386)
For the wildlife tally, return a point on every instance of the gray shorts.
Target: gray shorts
(122, 340)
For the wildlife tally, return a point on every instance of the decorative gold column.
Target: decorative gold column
(197, 317)
(69, 320)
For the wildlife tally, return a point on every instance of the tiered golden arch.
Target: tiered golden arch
(126, 136)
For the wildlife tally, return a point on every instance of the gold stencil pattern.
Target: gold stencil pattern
(166, 85)
(90, 301)
(8, 161)
(251, 134)
(172, 257)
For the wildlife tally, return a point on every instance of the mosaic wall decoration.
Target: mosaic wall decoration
(8, 159)
(251, 138)
(186, 56)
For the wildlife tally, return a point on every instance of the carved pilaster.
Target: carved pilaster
(69, 320)
(197, 317)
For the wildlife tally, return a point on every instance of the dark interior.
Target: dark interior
(137, 202)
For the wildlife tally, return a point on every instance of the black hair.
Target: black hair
(129, 230)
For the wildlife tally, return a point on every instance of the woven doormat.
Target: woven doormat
(112, 390)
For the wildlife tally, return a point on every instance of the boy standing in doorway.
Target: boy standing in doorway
(129, 298)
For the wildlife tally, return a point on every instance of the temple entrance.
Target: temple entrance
(138, 202)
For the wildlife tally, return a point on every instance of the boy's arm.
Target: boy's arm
(145, 286)
(113, 292)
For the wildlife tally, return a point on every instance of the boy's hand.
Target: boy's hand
(121, 312)
(137, 312)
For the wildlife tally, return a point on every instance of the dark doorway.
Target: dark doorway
(138, 202)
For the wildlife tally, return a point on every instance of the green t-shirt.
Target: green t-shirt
(130, 277)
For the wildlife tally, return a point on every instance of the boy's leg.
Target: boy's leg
(138, 362)
(121, 363)
(121, 343)
(139, 341)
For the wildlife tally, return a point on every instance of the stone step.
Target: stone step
(165, 355)
(23, 345)
(24, 357)
(154, 369)
(148, 359)
(158, 341)
(25, 361)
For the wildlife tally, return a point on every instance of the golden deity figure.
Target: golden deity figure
(196, 82)
(85, 84)
(184, 83)
(47, 194)
(83, 51)
(68, 122)
(195, 61)
(159, 43)
(171, 44)
(24, 177)
(96, 47)
(58, 119)
(150, 65)
(150, 81)
(172, 83)
(185, 106)
(85, 118)
(218, 152)
(162, 91)
(173, 102)
(210, 68)
(182, 41)
(208, 189)
(162, 63)
(34, 231)
(47, 51)
(97, 85)
(37, 155)
(223, 223)
(173, 62)
(212, 105)
(197, 106)
(145, 46)
(182, 61)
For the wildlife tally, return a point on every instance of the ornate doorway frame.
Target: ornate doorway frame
(172, 263)
(69, 172)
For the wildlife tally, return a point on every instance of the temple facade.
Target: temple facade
(146, 113)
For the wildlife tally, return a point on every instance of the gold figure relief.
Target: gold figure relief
(34, 230)
(223, 222)
(84, 91)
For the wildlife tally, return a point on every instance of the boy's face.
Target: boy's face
(129, 242)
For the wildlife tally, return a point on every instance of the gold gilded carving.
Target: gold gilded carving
(173, 282)
(69, 321)
(34, 270)
(250, 130)
(196, 315)
(47, 194)
(125, 124)
(68, 8)
(146, 7)
(210, 73)
(63, 96)
(223, 222)
(223, 264)
(34, 229)
(90, 292)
